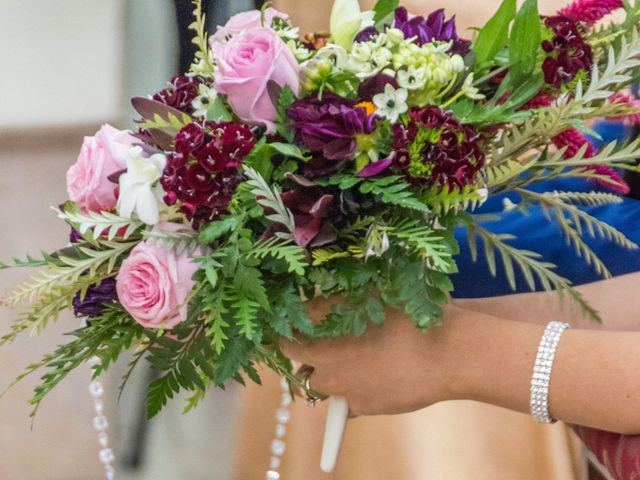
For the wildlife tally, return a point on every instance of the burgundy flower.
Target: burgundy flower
(436, 149)
(180, 93)
(434, 28)
(330, 125)
(311, 212)
(202, 174)
(567, 52)
(375, 85)
(92, 305)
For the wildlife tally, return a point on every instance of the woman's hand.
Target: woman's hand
(390, 369)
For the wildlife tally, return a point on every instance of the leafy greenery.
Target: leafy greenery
(494, 35)
(524, 43)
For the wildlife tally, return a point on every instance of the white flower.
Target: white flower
(347, 20)
(392, 103)
(413, 78)
(206, 97)
(139, 192)
(469, 91)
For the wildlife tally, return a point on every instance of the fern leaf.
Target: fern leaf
(100, 223)
(444, 200)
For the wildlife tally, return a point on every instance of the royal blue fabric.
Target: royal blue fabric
(535, 232)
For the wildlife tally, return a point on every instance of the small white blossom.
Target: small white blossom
(413, 78)
(395, 36)
(206, 97)
(392, 103)
(508, 205)
(469, 91)
(139, 192)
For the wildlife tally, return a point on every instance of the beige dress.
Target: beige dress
(450, 441)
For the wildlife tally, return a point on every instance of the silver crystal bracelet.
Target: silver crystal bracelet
(541, 377)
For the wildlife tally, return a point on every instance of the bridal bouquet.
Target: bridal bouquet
(282, 168)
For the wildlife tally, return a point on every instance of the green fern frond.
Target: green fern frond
(292, 254)
(579, 218)
(430, 244)
(443, 200)
(204, 63)
(100, 223)
(589, 199)
(271, 200)
(322, 256)
(393, 190)
(530, 264)
(29, 262)
(87, 263)
(503, 174)
(179, 241)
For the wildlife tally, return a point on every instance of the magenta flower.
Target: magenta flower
(590, 11)
(330, 125)
(434, 28)
(625, 98)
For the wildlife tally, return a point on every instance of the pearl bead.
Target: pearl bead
(283, 415)
(103, 438)
(100, 423)
(95, 389)
(271, 475)
(284, 385)
(286, 400)
(106, 455)
(93, 361)
(277, 447)
(275, 463)
(98, 406)
(281, 431)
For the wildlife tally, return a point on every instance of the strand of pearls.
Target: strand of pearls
(283, 414)
(101, 423)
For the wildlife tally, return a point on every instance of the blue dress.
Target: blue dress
(535, 232)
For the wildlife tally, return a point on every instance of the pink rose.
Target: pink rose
(244, 21)
(154, 283)
(88, 181)
(244, 66)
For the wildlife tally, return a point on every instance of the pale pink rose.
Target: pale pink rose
(244, 66)
(244, 21)
(154, 282)
(104, 154)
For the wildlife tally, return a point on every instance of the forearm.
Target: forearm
(594, 380)
(615, 299)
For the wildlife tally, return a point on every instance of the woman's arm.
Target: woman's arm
(396, 368)
(617, 300)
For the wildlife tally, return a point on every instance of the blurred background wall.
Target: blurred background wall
(67, 66)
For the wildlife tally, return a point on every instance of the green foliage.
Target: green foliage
(293, 255)
(288, 313)
(179, 241)
(203, 64)
(493, 36)
(560, 206)
(285, 100)
(219, 111)
(216, 230)
(29, 262)
(524, 43)
(384, 8)
(393, 191)
(443, 200)
(533, 268)
(433, 246)
(270, 200)
(168, 122)
(100, 223)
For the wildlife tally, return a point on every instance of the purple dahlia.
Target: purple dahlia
(330, 125)
(93, 303)
(433, 28)
(567, 52)
(434, 148)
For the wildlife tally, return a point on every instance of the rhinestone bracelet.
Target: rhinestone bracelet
(542, 372)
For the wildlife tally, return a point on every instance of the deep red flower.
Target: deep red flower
(567, 52)
(202, 174)
(180, 93)
(436, 149)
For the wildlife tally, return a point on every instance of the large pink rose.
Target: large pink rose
(104, 154)
(245, 64)
(154, 283)
(244, 21)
